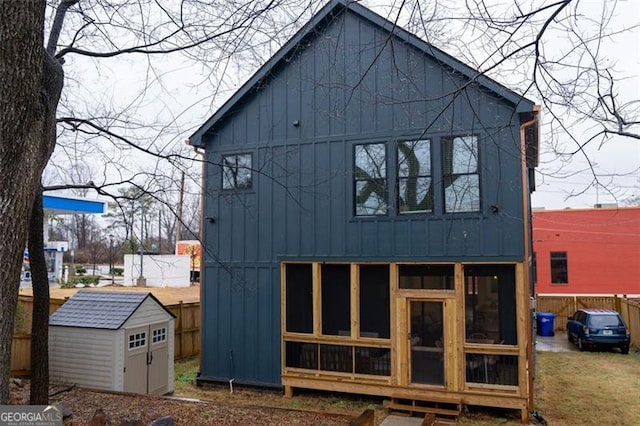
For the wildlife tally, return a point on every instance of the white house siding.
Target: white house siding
(83, 356)
(147, 313)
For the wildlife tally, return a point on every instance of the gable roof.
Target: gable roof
(100, 309)
(325, 16)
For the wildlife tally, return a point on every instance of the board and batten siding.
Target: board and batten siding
(83, 356)
(348, 83)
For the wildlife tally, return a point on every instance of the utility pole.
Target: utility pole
(180, 204)
(111, 259)
(141, 282)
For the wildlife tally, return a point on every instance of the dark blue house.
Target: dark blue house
(366, 221)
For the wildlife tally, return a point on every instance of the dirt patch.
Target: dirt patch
(167, 295)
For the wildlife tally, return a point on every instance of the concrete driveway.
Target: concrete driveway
(556, 343)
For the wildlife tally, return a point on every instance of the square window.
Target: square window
(236, 171)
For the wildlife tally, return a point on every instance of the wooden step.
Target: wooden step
(437, 411)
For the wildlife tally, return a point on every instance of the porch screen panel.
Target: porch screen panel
(426, 277)
(490, 304)
(336, 300)
(374, 301)
(299, 298)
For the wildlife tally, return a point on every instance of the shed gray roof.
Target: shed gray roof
(100, 309)
(325, 15)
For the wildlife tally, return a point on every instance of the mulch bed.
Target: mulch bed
(83, 404)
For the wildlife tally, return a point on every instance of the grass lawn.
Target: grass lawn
(588, 388)
(572, 388)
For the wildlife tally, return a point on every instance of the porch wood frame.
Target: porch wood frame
(455, 347)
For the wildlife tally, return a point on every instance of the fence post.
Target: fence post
(617, 302)
(181, 346)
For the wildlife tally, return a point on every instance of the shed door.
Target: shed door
(147, 365)
(135, 371)
(159, 359)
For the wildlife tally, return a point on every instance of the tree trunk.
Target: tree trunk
(40, 320)
(30, 86)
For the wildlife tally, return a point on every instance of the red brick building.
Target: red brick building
(587, 251)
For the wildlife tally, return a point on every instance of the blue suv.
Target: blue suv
(591, 328)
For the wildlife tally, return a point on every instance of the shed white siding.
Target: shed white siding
(118, 360)
(83, 356)
(172, 347)
(147, 313)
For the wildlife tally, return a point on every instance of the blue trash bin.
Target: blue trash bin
(545, 323)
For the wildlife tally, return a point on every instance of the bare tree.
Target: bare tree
(136, 137)
(31, 81)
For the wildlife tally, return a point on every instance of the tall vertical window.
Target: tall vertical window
(414, 176)
(559, 270)
(370, 179)
(236, 171)
(461, 178)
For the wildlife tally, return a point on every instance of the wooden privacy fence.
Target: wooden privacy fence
(187, 332)
(564, 306)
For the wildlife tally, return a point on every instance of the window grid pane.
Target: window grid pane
(370, 175)
(461, 178)
(414, 177)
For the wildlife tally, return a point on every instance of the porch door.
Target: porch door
(426, 334)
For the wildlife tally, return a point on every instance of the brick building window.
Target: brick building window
(559, 269)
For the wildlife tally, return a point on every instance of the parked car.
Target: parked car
(590, 328)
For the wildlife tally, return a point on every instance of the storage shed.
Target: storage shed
(119, 341)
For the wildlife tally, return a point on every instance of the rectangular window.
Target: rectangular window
(299, 288)
(336, 299)
(374, 301)
(559, 270)
(236, 171)
(370, 179)
(414, 177)
(461, 178)
(159, 335)
(137, 340)
(426, 277)
(490, 304)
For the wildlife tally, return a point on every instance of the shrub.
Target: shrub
(84, 279)
(118, 271)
